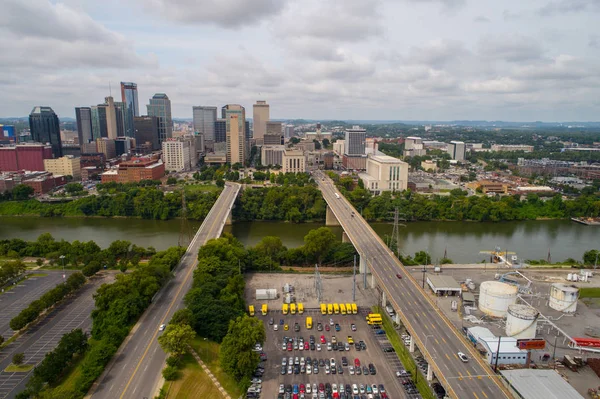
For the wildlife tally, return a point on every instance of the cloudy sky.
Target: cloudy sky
(322, 59)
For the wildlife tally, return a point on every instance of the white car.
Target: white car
(327, 369)
(308, 389)
(319, 347)
(281, 388)
(463, 357)
(354, 389)
(331, 322)
(334, 388)
(275, 327)
(161, 328)
(329, 346)
(332, 362)
(374, 388)
(351, 370)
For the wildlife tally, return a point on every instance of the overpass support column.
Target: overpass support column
(411, 347)
(373, 281)
(398, 318)
(383, 299)
(345, 237)
(229, 220)
(429, 372)
(362, 264)
(330, 219)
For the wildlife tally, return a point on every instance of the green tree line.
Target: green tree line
(10, 269)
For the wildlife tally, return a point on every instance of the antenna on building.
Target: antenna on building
(109, 90)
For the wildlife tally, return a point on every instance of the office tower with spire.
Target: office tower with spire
(160, 106)
(45, 128)
(235, 131)
(260, 117)
(129, 96)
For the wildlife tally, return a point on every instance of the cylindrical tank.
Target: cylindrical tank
(563, 297)
(570, 277)
(495, 297)
(521, 321)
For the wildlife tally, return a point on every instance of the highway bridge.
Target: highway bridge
(433, 333)
(136, 369)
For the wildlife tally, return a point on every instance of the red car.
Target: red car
(302, 388)
(399, 276)
(289, 348)
(306, 347)
(327, 328)
(323, 340)
(356, 363)
(321, 387)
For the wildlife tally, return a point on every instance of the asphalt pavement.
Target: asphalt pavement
(438, 340)
(73, 313)
(135, 372)
(12, 302)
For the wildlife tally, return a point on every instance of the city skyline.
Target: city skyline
(385, 60)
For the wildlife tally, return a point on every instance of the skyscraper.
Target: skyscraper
(204, 121)
(129, 96)
(273, 135)
(84, 124)
(457, 150)
(160, 106)
(220, 130)
(259, 120)
(355, 141)
(235, 125)
(146, 131)
(111, 118)
(99, 128)
(45, 128)
(121, 113)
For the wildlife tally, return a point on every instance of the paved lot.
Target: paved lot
(43, 337)
(18, 298)
(384, 364)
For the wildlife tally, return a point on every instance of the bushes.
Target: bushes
(10, 270)
(47, 300)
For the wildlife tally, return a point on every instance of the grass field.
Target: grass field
(23, 368)
(193, 382)
(209, 353)
(589, 292)
(404, 355)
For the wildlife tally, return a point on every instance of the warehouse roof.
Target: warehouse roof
(438, 282)
(540, 384)
(507, 344)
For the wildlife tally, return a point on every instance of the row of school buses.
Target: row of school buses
(339, 308)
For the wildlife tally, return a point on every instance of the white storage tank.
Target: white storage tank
(521, 321)
(495, 297)
(262, 294)
(563, 297)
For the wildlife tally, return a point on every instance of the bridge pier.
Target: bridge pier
(398, 318)
(330, 219)
(345, 237)
(429, 372)
(362, 264)
(229, 220)
(383, 299)
(411, 347)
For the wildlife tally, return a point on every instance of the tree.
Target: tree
(171, 180)
(22, 192)
(236, 355)
(220, 183)
(73, 188)
(1, 339)
(318, 242)
(182, 316)
(591, 257)
(176, 338)
(170, 373)
(325, 143)
(18, 359)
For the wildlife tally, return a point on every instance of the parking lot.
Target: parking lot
(386, 364)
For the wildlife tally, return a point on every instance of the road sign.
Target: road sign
(531, 344)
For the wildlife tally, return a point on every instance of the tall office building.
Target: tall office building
(273, 134)
(99, 127)
(355, 141)
(129, 96)
(289, 131)
(107, 147)
(111, 118)
(220, 131)
(204, 121)
(83, 115)
(160, 106)
(45, 128)
(121, 112)
(260, 117)
(179, 154)
(235, 125)
(457, 150)
(146, 131)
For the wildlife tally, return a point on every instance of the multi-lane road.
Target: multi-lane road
(136, 368)
(436, 337)
(74, 312)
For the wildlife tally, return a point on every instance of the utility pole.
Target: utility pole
(554, 351)
(497, 355)
(365, 274)
(62, 258)
(354, 281)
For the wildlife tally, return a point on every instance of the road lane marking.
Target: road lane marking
(474, 394)
(484, 394)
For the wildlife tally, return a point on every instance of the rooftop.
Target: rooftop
(507, 344)
(385, 159)
(540, 384)
(443, 282)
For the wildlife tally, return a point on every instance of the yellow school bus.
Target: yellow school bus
(293, 308)
(329, 308)
(354, 309)
(309, 323)
(336, 308)
(323, 308)
(251, 310)
(342, 308)
(300, 308)
(348, 308)
(284, 308)
(265, 309)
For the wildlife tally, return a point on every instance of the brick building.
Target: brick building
(135, 171)
(24, 157)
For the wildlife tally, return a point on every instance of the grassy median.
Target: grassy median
(404, 354)
(209, 353)
(193, 382)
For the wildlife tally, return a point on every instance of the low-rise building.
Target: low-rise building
(489, 186)
(385, 173)
(216, 158)
(505, 349)
(135, 170)
(293, 161)
(354, 162)
(107, 147)
(41, 181)
(339, 146)
(457, 150)
(512, 147)
(328, 160)
(429, 165)
(271, 155)
(535, 384)
(66, 166)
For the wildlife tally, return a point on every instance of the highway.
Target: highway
(22, 294)
(437, 339)
(135, 372)
(75, 312)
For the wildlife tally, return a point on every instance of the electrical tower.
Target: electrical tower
(395, 233)
(318, 284)
(185, 231)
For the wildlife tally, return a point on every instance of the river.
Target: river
(462, 241)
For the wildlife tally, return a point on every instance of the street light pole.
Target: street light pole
(62, 258)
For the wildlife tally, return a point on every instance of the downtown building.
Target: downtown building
(135, 170)
(131, 108)
(64, 166)
(260, 116)
(271, 155)
(293, 161)
(235, 129)
(204, 119)
(457, 150)
(385, 173)
(27, 156)
(355, 157)
(146, 131)
(45, 128)
(179, 154)
(160, 106)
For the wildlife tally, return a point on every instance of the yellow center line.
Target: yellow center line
(476, 397)
(163, 319)
(484, 394)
